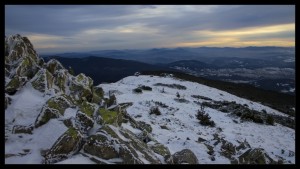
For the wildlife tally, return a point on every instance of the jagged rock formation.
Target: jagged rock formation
(24, 68)
(21, 62)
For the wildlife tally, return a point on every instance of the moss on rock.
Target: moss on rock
(42, 80)
(100, 145)
(53, 108)
(84, 80)
(60, 103)
(111, 142)
(161, 150)
(110, 117)
(27, 68)
(45, 115)
(80, 92)
(97, 94)
(67, 144)
(88, 108)
(13, 85)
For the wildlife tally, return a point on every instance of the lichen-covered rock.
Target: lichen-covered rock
(70, 122)
(15, 84)
(83, 122)
(110, 117)
(112, 142)
(43, 80)
(22, 129)
(161, 150)
(255, 156)
(53, 108)
(97, 94)
(102, 146)
(20, 57)
(84, 117)
(45, 115)
(67, 144)
(184, 156)
(60, 103)
(61, 79)
(27, 68)
(88, 108)
(21, 62)
(80, 92)
(84, 80)
(136, 149)
(53, 66)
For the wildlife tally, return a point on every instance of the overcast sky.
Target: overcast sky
(74, 28)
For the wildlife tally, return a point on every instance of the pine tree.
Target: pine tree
(177, 95)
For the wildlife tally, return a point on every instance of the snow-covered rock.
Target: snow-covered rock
(66, 145)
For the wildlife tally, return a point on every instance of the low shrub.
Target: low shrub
(270, 120)
(137, 90)
(155, 110)
(205, 119)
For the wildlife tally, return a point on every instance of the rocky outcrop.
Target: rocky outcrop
(85, 117)
(53, 66)
(20, 57)
(54, 108)
(80, 91)
(97, 94)
(43, 80)
(184, 156)
(111, 142)
(15, 84)
(23, 65)
(22, 129)
(161, 150)
(255, 156)
(102, 146)
(66, 145)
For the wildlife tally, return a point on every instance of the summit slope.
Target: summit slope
(178, 128)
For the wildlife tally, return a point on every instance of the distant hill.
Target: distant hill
(204, 54)
(105, 69)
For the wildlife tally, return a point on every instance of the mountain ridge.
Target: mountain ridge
(52, 116)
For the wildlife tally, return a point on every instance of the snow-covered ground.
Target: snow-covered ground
(177, 127)
(25, 107)
(183, 129)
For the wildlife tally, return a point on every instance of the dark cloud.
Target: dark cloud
(228, 17)
(139, 25)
